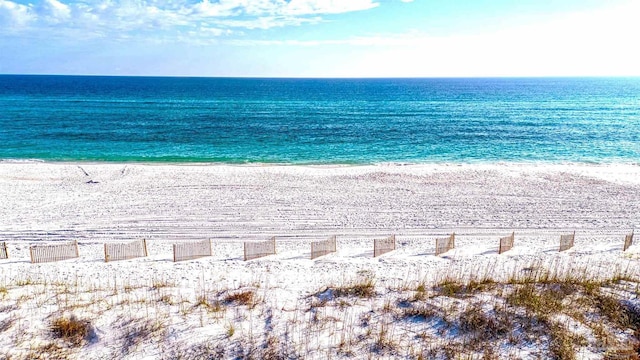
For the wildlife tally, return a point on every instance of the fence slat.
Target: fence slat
(566, 241)
(57, 252)
(383, 246)
(324, 247)
(4, 254)
(506, 243)
(191, 250)
(254, 250)
(628, 241)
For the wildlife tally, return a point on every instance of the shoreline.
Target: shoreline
(603, 162)
(418, 166)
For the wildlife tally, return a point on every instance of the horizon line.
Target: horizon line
(332, 77)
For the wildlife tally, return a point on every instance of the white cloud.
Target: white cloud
(206, 8)
(208, 31)
(144, 18)
(55, 10)
(14, 16)
(263, 14)
(261, 8)
(307, 7)
(268, 22)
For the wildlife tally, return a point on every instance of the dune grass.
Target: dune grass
(535, 312)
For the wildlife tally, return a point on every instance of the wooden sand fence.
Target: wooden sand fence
(125, 251)
(254, 250)
(566, 241)
(4, 254)
(191, 250)
(445, 244)
(57, 252)
(628, 241)
(322, 248)
(506, 243)
(383, 246)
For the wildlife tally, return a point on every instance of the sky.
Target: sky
(321, 38)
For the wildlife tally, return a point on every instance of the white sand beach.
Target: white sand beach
(172, 202)
(98, 203)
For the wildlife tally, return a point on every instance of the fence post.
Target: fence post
(628, 240)
(210, 248)
(274, 244)
(31, 253)
(77, 251)
(6, 252)
(144, 245)
(174, 252)
(245, 251)
(106, 254)
(560, 247)
(375, 248)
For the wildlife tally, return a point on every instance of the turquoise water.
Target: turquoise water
(352, 121)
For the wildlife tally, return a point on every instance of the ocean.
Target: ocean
(319, 121)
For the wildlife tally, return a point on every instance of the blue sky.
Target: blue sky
(321, 38)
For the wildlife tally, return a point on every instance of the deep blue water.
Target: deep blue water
(61, 118)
